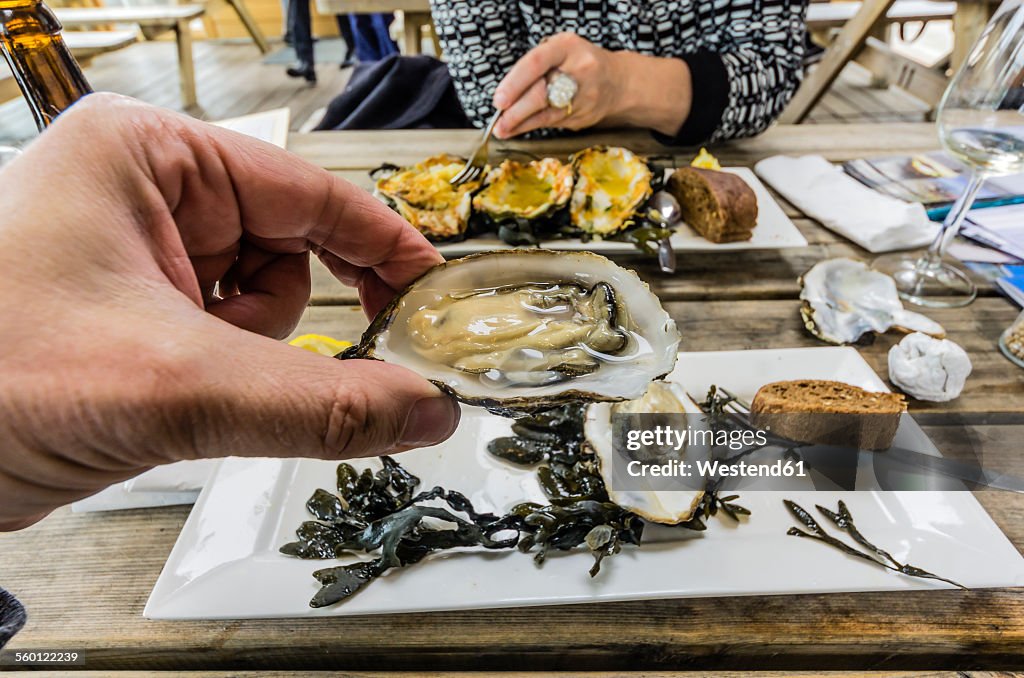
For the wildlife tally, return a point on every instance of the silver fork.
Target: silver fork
(475, 167)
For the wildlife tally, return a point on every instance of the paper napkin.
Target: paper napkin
(822, 191)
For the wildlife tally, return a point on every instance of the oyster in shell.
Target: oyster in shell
(843, 299)
(526, 330)
(669, 507)
(515, 190)
(612, 184)
(424, 196)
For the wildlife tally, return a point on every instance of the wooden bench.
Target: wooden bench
(152, 20)
(84, 45)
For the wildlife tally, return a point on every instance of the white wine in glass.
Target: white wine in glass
(981, 123)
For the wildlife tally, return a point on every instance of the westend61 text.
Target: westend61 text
(717, 469)
(676, 439)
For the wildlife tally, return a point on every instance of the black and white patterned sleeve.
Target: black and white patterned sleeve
(481, 41)
(759, 44)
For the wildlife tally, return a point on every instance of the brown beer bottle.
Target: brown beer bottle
(48, 75)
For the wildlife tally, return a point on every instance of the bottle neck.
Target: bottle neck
(50, 78)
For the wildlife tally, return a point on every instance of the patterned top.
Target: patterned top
(745, 56)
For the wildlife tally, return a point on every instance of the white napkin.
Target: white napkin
(822, 191)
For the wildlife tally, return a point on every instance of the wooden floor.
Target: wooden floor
(231, 81)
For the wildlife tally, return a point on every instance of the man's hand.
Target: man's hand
(148, 263)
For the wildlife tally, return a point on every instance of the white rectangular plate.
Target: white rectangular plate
(774, 231)
(226, 564)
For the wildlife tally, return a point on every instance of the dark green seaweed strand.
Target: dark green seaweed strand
(845, 518)
(844, 521)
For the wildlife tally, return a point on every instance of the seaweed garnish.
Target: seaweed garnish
(383, 515)
(844, 521)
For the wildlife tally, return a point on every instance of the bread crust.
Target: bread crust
(826, 412)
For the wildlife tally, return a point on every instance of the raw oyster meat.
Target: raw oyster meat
(526, 330)
(843, 299)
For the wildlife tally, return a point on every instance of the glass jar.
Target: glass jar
(1011, 343)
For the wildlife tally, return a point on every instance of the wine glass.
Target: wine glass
(981, 123)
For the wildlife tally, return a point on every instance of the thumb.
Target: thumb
(266, 398)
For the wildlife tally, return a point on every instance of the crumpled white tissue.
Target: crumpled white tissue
(928, 368)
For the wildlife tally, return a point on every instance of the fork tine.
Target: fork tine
(467, 174)
(463, 176)
(474, 167)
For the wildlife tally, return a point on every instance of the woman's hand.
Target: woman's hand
(615, 88)
(146, 260)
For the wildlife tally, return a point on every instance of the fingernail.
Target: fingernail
(431, 421)
(500, 100)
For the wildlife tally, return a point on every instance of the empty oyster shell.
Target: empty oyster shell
(424, 196)
(611, 186)
(525, 190)
(526, 330)
(843, 299)
(669, 507)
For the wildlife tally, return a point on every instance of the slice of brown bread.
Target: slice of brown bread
(718, 205)
(828, 413)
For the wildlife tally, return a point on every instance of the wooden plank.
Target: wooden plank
(364, 150)
(925, 83)
(163, 15)
(85, 578)
(186, 66)
(838, 54)
(968, 23)
(735, 274)
(368, 6)
(835, 14)
(512, 674)
(251, 26)
(994, 389)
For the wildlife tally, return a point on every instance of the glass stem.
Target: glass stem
(951, 224)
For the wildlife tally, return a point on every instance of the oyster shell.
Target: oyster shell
(668, 507)
(843, 299)
(611, 186)
(525, 190)
(526, 330)
(424, 196)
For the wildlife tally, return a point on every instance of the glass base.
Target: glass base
(939, 285)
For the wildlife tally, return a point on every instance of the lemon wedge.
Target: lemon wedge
(705, 160)
(318, 343)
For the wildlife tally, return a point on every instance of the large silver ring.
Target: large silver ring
(562, 89)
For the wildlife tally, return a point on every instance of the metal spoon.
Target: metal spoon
(663, 209)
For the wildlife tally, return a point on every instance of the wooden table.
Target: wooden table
(85, 578)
